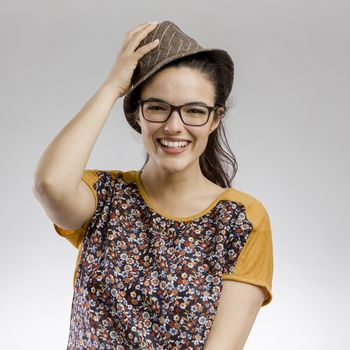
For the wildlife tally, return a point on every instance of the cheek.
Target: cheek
(202, 142)
(200, 136)
(148, 135)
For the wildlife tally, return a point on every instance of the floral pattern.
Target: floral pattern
(145, 281)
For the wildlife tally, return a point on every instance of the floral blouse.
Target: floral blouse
(145, 279)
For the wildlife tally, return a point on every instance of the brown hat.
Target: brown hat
(173, 44)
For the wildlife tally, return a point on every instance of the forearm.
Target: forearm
(61, 166)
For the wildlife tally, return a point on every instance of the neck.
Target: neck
(173, 186)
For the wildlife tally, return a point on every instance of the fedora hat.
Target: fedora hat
(173, 44)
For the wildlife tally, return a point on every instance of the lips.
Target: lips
(173, 150)
(172, 139)
(186, 143)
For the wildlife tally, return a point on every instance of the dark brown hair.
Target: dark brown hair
(215, 161)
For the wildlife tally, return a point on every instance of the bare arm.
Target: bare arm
(57, 181)
(58, 184)
(62, 164)
(238, 307)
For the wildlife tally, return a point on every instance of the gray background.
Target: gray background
(288, 128)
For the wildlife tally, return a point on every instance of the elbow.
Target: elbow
(44, 189)
(40, 187)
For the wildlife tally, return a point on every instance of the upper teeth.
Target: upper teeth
(173, 144)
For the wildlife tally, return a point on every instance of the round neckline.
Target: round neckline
(166, 215)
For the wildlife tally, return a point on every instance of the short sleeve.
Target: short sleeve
(255, 261)
(75, 237)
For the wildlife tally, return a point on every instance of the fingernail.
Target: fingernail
(153, 22)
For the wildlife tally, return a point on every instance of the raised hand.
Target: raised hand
(119, 77)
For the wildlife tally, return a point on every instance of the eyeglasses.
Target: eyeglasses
(192, 114)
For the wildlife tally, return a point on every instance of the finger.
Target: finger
(130, 35)
(147, 48)
(137, 27)
(137, 37)
(140, 27)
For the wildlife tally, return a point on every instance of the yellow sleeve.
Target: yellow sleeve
(255, 261)
(76, 236)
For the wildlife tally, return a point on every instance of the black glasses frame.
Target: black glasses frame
(176, 108)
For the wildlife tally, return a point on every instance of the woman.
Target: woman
(170, 256)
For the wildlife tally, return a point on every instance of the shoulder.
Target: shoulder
(254, 263)
(93, 175)
(253, 207)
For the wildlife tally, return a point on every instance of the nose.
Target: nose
(174, 122)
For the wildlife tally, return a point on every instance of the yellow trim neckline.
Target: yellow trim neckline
(147, 200)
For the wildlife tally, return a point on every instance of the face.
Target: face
(177, 86)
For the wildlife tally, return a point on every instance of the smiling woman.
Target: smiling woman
(182, 85)
(170, 256)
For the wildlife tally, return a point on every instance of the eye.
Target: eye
(195, 110)
(155, 106)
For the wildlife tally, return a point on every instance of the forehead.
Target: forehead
(179, 85)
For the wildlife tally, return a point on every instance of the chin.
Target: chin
(174, 166)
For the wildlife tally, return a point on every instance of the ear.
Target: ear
(137, 118)
(217, 119)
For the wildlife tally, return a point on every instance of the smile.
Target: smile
(173, 147)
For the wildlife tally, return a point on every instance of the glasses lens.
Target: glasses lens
(156, 111)
(194, 114)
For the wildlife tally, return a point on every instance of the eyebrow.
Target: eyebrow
(159, 100)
